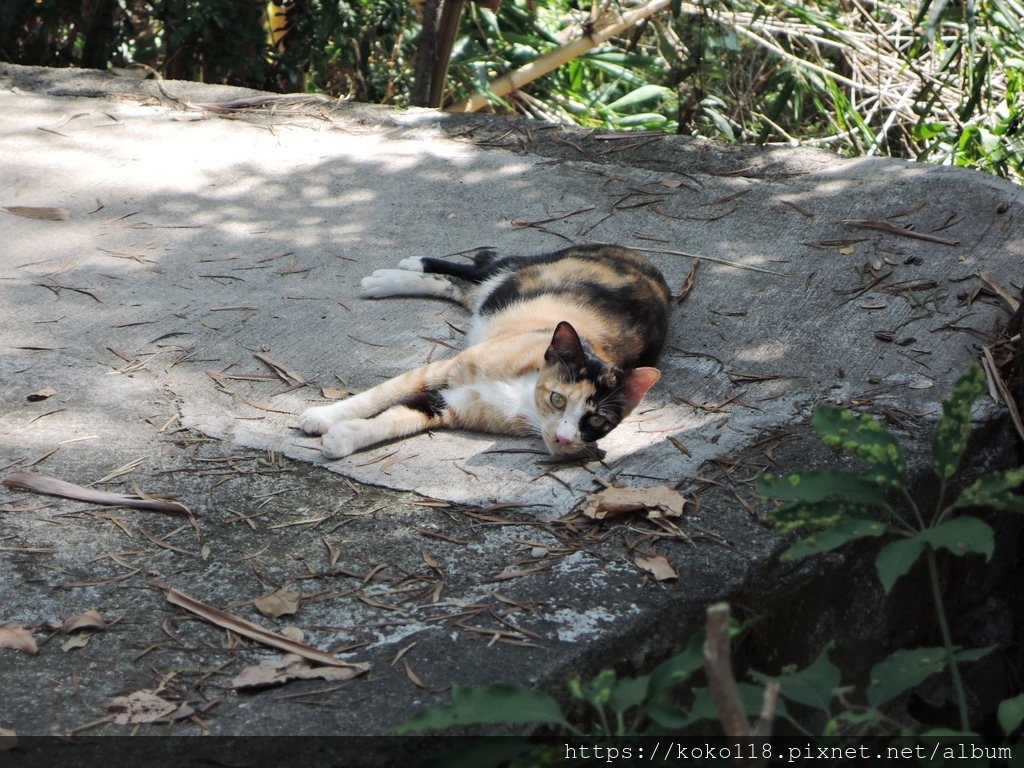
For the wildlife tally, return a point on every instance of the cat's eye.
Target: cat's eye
(558, 400)
(596, 420)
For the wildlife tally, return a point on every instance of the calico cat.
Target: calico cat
(562, 346)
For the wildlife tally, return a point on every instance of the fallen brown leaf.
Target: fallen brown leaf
(76, 641)
(51, 486)
(16, 637)
(658, 566)
(87, 620)
(657, 501)
(282, 602)
(255, 632)
(291, 666)
(146, 707)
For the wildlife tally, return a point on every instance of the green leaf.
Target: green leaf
(907, 668)
(903, 670)
(954, 425)
(677, 668)
(818, 514)
(820, 484)
(497, 703)
(849, 528)
(866, 439)
(962, 535)
(667, 715)
(627, 693)
(1011, 714)
(751, 697)
(895, 559)
(995, 491)
(642, 95)
(959, 535)
(812, 686)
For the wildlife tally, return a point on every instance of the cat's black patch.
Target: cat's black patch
(429, 402)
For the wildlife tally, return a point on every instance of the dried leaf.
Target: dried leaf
(289, 667)
(338, 393)
(42, 394)
(657, 501)
(892, 229)
(51, 486)
(146, 707)
(293, 633)
(687, 285)
(922, 383)
(283, 602)
(37, 212)
(76, 641)
(658, 566)
(16, 637)
(87, 620)
(255, 632)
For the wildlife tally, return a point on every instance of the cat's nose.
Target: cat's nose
(563, 440)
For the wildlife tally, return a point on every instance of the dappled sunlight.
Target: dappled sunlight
(194, 246)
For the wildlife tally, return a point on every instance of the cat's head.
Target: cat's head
(580, 397)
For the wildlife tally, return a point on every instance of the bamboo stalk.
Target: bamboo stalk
(517, 78)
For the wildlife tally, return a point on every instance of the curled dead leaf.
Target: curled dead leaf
(656, 501)
(146, 707)
(16, 637)
(87, 620)
(282, 602)
(79, 640)
(291, 666)
(657, 566)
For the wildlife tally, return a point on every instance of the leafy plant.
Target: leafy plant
(839, 503)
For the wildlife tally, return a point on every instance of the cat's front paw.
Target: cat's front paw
(342, 440)
(316, 421)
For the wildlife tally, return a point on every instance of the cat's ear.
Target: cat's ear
(565, 348)
(635, 383)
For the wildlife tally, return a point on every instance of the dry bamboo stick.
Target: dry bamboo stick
(517, 78)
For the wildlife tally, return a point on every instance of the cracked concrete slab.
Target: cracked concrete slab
(203, 289)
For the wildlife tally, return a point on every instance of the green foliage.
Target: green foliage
(955, 425)
(839, 501)
(926, 81)
(907, 668)
(960, 536)
(813, 686)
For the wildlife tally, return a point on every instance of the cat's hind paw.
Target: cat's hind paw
(316, 421)
(401, 282)
(414, 264)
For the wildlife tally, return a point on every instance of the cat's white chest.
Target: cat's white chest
(511, 400)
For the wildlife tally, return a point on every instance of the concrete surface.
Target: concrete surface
(204, 289)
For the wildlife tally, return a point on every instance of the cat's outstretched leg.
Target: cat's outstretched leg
(411, 387)
(403, 282)
(347, 437)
